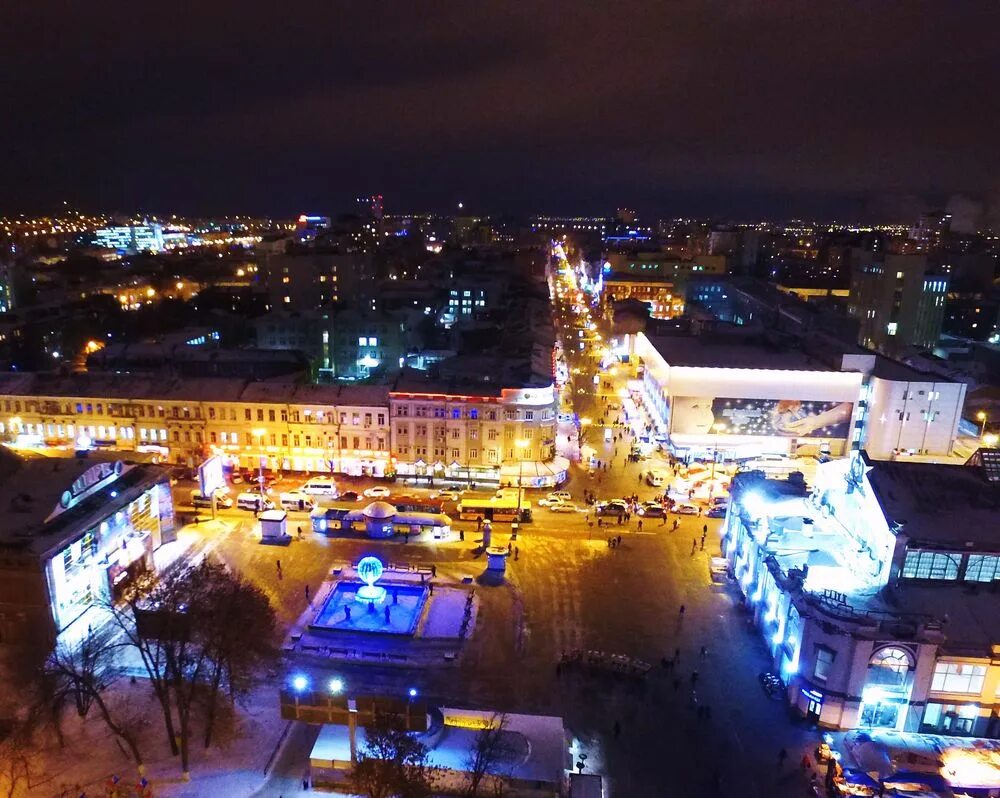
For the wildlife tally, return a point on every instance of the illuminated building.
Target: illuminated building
(872, 590)
(743, 392)
(898, 299)
(661, 294)
(77, 532)
(131, 239)
(461, 431)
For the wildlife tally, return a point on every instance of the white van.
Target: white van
(654, 480)
(321, 486)
(254, 502)
(222, 501)
(296, 500)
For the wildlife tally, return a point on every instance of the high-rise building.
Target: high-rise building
(898, 300)
(131, 239)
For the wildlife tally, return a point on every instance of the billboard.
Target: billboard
(210, 476)
(787, 418)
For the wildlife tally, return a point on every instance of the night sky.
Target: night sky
(745, 109)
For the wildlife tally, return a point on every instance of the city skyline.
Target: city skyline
(750, 112)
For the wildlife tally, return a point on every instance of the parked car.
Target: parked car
(717, 512)
(686, 509)
(350, 496)
(254, 502)
(448, 494)
(320, 486)
(652, 510)
(561, 494)
(566, 507)
(237, 478)
(613, 507)
(296, 500)
(378, 492)
(222, 501)
(549, 501)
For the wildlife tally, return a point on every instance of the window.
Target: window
(381, 419)
(403, 410)
(401, 430)
(456, 434)
(363, 341)
(949, 718)
(474, 414)
(270, 415)
(922, 564)
(889, 666)
(456, 413)
(529, 415)
(455, 453)
(473, 433)
(958, 677)
(473, 454)
(373, 342)
(982, 568)
(260, 414)
(492, 455)
(824, 661)
(248, 414)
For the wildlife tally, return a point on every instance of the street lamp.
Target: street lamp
(520, 445)
(981, 415)
(258, 433)
(716, 428)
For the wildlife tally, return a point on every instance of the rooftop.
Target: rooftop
(954, 505)
(31, 489)
(733, 352)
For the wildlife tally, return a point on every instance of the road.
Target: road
(568, 589)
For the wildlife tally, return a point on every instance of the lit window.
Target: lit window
(362, 341)
(958, 677)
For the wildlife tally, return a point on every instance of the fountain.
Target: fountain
(370, 570)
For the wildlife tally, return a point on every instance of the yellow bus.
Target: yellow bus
(494, 508)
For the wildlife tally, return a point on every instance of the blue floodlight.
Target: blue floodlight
(300, 683)
(413, 692)
(336, 686)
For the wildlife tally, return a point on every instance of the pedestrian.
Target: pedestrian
(640, 525)
(694, 678)
(703, 544)
(704, 652)
(677, 651)
(277, 564)
(619, 540)
(300, 531)
(517, 552)
(681, 611)
(510, 547)
(782, 756)
(617, 730)
(308, 599)
(434, 570)
(609, 543)
(479, 523)
(806, 762)
(461, 535)
(704, 530)
(694, 546)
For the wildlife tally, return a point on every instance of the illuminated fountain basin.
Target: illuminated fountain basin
(404, 601)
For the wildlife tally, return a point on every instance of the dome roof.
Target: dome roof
(379, 510)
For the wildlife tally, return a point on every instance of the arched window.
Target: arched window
(889, 666)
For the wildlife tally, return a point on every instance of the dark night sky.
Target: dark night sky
(732, 108)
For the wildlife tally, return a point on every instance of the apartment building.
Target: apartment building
(414, 428)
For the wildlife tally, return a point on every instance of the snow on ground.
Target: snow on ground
(232, 766)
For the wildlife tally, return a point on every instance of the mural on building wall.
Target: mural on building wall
(789, 418)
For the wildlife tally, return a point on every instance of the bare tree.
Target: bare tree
(79, 672)
(392, 762)
(491, 752)
(18, 764)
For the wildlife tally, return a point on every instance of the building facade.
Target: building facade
(362, 430)
(82, 531)
(873, 591)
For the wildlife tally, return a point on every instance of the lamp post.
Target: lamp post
(981, 416)
(716, 428)
(519, 446)
(258, 433)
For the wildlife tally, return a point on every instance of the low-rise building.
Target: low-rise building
(76, 532)
(874, 590)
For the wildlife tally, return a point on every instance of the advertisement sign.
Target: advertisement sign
(210, 476)
(787, 418)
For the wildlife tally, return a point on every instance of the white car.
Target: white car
(566, 507)
(448, 494)
(562, 495)
(378, 492)
(550, 502)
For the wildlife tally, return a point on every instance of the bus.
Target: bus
(417, 504)
(494, 508)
